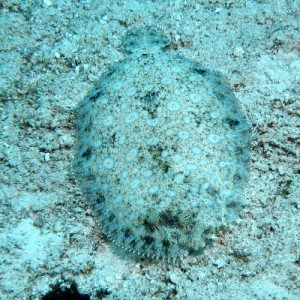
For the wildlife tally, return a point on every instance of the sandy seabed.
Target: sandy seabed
(51, 54)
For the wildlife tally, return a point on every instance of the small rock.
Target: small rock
(220, 263)
(174, 278)
(47, 157)
(48, 2)
(238, 52)
(38, 222)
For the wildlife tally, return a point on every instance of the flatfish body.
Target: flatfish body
(162, 150)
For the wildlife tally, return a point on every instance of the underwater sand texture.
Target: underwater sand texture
(52, 54)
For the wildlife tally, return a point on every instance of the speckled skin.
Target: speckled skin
(162, 151)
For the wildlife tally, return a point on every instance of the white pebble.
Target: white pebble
(47, 157)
